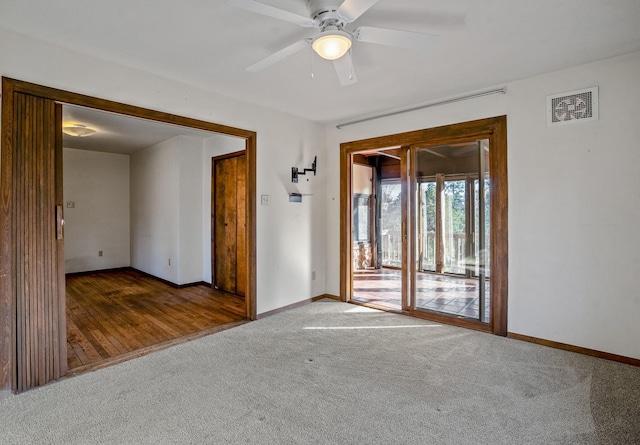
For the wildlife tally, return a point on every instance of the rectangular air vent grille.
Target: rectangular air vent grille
(575, 106)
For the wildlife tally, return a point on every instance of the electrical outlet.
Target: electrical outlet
(313, 275)
(264, 200)
(71, 205)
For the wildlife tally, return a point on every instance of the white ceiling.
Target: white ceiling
(209, 44)
(116, 133)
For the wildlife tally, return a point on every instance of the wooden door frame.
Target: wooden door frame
(494, 129)
(8, 281)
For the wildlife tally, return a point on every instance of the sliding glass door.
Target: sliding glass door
(438, 226)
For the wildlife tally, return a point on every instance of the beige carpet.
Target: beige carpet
(333, 373)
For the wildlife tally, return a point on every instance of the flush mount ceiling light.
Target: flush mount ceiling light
(78, 130)
(332, 44)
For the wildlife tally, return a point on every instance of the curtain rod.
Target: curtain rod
(502, 90)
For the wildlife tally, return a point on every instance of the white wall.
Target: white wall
(155, 222)
(574, 204)
(166, 210)
(190, 209)
(98, 186)
(290, 237)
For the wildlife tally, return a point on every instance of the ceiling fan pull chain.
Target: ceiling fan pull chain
(312, 63)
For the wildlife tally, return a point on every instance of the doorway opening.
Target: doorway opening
(436, 243)
(125, 212)
(377, 240)
(32, 297)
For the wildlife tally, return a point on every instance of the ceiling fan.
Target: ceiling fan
(331, 18)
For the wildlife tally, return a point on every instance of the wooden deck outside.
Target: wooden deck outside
(114, 313)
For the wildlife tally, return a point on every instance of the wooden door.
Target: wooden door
(32, 247)
(229, 259)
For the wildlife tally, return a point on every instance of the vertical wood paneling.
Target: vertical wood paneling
(38, 292)
(7, 244)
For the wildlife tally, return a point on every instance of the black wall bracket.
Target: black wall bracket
(295, 172)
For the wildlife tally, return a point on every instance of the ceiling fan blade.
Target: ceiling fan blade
(344, 70)
(394, 37)
(278, 56)
(272, 11)
(350, 10)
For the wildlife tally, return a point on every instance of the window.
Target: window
(361, 218)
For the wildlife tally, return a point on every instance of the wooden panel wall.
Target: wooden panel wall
(39, 271)
(7, 279)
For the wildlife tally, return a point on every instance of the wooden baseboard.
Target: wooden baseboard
(120, 269)
(197, 283)
(170, 283)
(320, 297)
(283, 308)
(295, 305)
(89, 272)
(578, 349)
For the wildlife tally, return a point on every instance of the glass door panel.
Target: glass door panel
(427, 226)
(487, 227)
(376, 240)
(455, 226)
(451, 213)
(391, 224)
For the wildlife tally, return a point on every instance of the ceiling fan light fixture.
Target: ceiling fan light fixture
(332, 44)
(78, 130)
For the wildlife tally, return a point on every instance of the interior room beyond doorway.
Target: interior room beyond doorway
(136, 262)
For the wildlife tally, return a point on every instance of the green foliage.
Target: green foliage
(391, 207)
(454, 194)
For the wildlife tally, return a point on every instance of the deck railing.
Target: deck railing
(455, 261)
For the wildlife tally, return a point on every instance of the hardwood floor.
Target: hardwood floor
(114, 313)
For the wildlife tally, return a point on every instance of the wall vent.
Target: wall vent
(572, 107)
